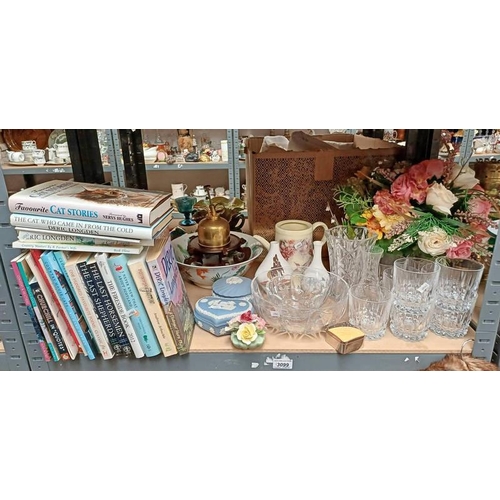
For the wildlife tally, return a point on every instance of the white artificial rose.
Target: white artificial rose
(463, 177)
(434, 242)
(440, 198)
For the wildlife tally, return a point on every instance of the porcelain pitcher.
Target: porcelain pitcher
(295, 238)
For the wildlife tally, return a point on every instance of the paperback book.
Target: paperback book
(135, 308)
(82, 298)
(25, 290)
(171, 292)
(91, 202)
(147, 291)
(53, 308)
(109, 280)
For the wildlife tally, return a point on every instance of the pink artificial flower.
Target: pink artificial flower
(479, 206)
(434, 168)
(403, 187)
(418, 173)
(477, 187)
(460, 251)
(387, 204)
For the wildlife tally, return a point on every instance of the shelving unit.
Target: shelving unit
(213, 353)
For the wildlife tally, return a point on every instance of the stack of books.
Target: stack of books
(105, 301)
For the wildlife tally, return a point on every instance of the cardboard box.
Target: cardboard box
(298, 184)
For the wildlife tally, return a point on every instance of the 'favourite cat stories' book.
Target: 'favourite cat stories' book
(91, 202)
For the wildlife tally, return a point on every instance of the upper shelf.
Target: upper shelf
(223, 165)
(41, 169)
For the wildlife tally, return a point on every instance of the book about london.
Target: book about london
(94, 202)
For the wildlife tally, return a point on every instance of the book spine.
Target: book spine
(62, 322)
(159, 280)
(29, 233)
(147, 292)
(31, 313)
(80, 226)
(90, 312)
(49, 320)
(132, 301)
(63, 238)
(112, 325)
(68, 302)
(109, 281)
(69, 247)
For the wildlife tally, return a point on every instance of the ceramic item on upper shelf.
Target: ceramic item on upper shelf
(15, 156)
(38, 156)
(62, 150)
(273, 260)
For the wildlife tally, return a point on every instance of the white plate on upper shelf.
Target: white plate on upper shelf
(57, 136)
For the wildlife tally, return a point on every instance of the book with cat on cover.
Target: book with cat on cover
(54, 307)
(118, 304)
(86, 304)
(91, 202)
(147, 291)
(172, 293)
(90, 228)
(132, 301)
(25, 290)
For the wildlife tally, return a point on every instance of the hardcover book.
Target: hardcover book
(70, 247)
(171, 292)
(25, 290)
(132, 301)
(109, 280)
(147, 291)
(91, 202)
(54, 310)
(59, 236)
(53, 237)
(89, 228)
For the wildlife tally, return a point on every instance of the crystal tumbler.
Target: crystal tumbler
(456, 296)
(414, 291)
(369, 307)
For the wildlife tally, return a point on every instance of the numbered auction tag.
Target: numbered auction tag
(282, 364)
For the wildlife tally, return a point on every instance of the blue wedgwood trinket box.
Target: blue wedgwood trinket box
(213, 313)
(233, 287)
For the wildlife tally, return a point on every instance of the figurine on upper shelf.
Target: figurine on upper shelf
(184, 140)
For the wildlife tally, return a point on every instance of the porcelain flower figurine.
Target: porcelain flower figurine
(247, 331)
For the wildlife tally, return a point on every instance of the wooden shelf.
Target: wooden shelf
(205, 342)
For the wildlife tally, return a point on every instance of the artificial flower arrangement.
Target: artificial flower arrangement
(247, 331)
(436, 207)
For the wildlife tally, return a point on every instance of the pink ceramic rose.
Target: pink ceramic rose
(479, 206)
(461, 250)
(419, 174)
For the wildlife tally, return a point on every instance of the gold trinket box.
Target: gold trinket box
(345, 339)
